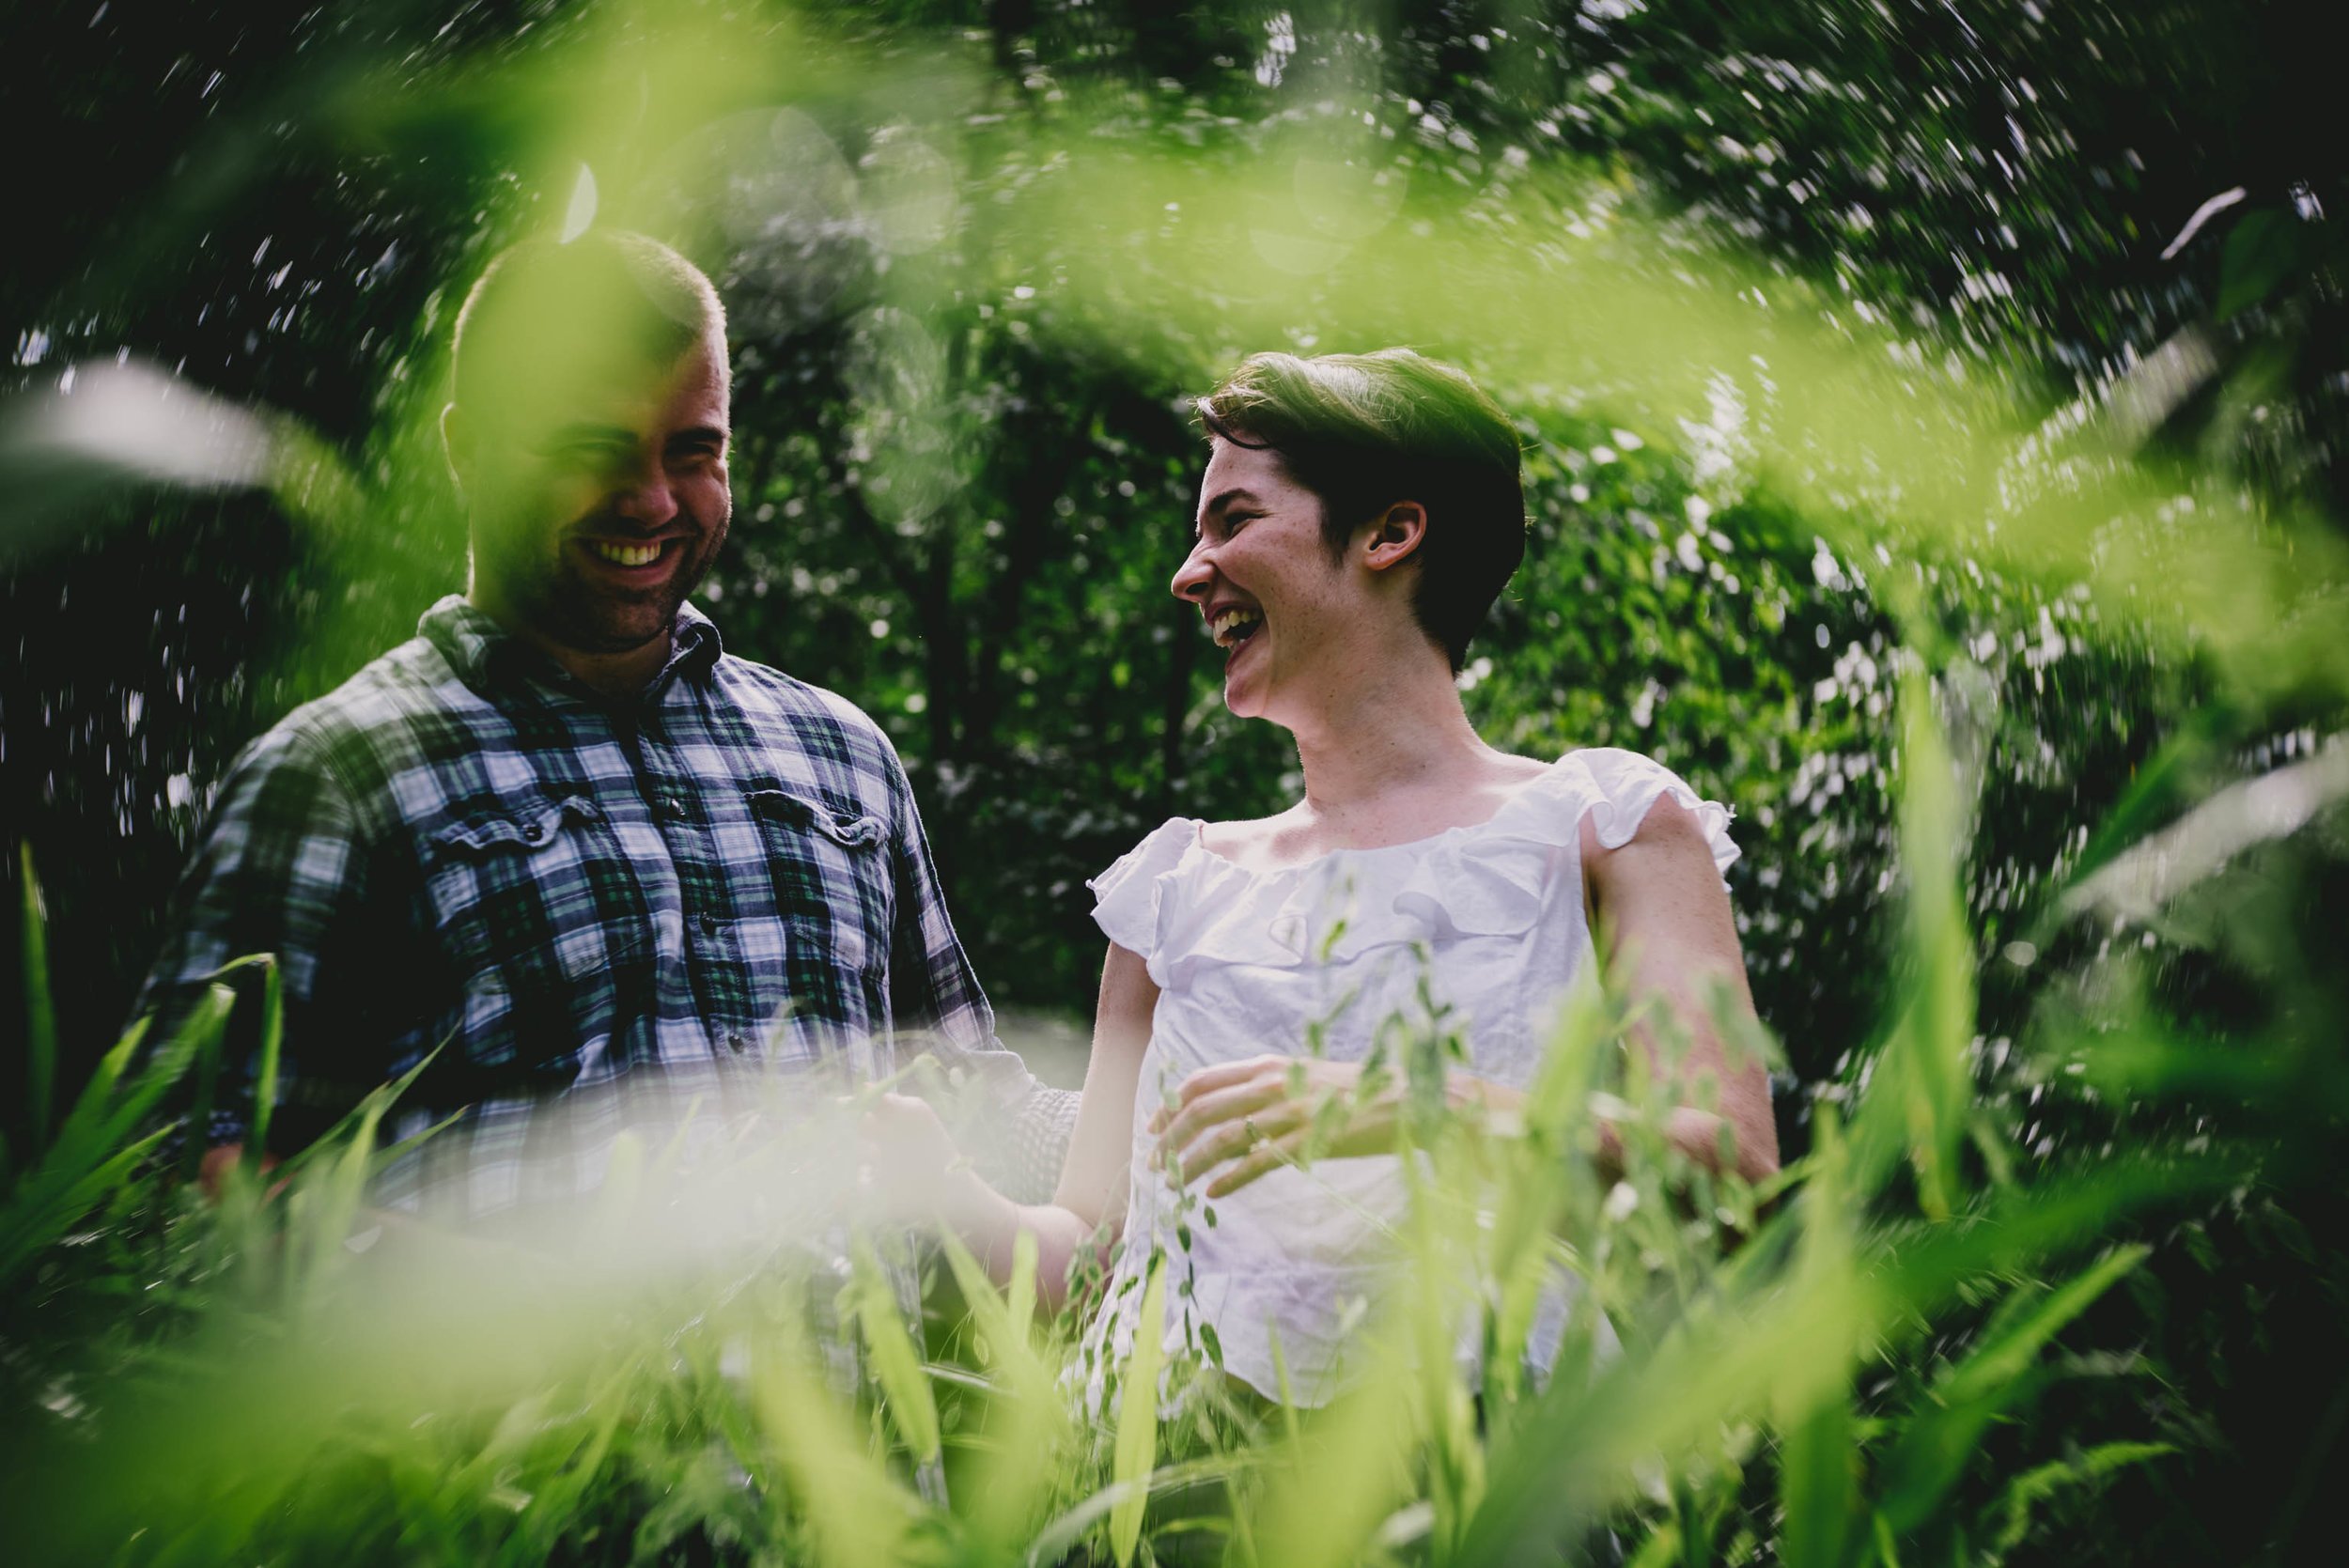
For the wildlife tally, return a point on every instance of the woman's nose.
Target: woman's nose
(1192, 577)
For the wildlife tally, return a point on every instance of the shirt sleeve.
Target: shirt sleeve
(1627, 786)
(277, 871)
(1129, 897)
(1015, 1128)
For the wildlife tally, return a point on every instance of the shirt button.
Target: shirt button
(736, 1044)
(673, 807)
(709, 924)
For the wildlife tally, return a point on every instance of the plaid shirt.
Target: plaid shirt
(463, 843)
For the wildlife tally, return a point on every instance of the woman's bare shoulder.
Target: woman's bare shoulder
(1249, 839)
(1512, 770)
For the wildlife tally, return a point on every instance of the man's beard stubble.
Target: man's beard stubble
(547, 588)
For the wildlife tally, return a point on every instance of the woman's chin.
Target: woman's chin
(1243, 691)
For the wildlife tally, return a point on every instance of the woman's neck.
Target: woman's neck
(1399, 731)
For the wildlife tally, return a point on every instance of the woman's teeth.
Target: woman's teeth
(1234, 626)
(625, 555)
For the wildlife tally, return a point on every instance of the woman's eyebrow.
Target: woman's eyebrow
(1222, 502)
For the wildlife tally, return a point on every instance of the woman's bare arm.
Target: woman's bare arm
(1671, 942)
(1093, 1182)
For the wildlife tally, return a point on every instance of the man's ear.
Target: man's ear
(452, 448)
(1395, 534)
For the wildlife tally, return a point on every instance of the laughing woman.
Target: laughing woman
(1358, 518)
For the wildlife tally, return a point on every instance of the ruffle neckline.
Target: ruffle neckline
(1179, 905)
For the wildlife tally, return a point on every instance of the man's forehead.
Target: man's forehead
(691, 392)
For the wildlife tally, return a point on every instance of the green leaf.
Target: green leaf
(2263, 250)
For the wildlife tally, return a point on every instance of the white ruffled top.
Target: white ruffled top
(1247, 961)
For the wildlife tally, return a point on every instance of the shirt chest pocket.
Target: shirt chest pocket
(538, 913)
(828, 865)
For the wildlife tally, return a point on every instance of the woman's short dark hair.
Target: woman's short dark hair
(1363, 431)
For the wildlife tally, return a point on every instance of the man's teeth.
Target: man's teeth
(1229, 626)
(625, 555)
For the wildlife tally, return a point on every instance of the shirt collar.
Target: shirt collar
(481, 651)
(693, 644)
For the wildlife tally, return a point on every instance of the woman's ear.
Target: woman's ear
(1396, 533)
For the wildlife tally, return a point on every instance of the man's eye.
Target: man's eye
(589, 453)
(1235, 521)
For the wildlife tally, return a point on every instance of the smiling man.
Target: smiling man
(616, 869)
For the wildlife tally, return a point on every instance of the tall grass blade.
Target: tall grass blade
(2034, 1486)
(999, 1321)
(41, 1010)
(897, 1366)
(1818, 1457)
(88, 1156)
(1933, 1452)
(1019, 1293)
(367, 1113)
(1817, 1487)
(1059, 1540)
(265, 1065)
(1918, 1104)
(326, 1205)
(857, 1513)
(1026, 1420)
(199, 1119)
(1138, 1418)
(1353, 1468)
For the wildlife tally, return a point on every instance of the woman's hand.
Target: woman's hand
(909, 1163)
(1236, 1121)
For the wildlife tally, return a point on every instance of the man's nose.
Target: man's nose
(1196, 572)
(646, 496)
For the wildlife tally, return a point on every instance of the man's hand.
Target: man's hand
(1242, 1120)
(212, 1172)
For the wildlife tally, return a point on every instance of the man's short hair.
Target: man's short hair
(548, 313)
(1363, 431)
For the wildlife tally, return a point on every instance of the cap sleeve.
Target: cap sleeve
(1628, 784)
(1127, 896)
